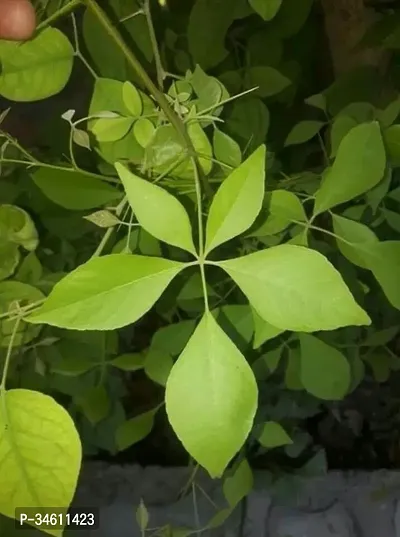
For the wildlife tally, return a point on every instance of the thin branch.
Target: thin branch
(147, 82)
(154, 45)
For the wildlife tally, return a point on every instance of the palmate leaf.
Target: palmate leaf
(107, 292)
(211, 397)
(295, 288)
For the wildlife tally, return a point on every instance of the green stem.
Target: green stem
(201, 259)
(17, 311)
(16, 144)
(78, 52)
(58, 14)
(9, 353)
(154, 45)
(108, 233)
(148, 83)
(61, 168)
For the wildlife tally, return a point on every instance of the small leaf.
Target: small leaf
(12, 294)
(268, 80)
(325, 372)
(217, 19)
(211, 397)
(384, 262)
(129, 362)
(359, 166)
(341, 126)
(103, 219)
(68, 115)
(239, 485)
(134, 430)
(107, 292)
(226, 150)
(303, 131)
(142, 516)
(132, 99)
(39, 447)
(81, 138)
(267, 9)
(157, 211)
(111, 130)
(17, 227)
(95, 404)
(74, 190)
(382, 337)
(158, 365)
(360, 237)
(37, 68)
(273, 435)
(237, 202)
(288, 274)
(318, 101)
(263, 331)
(143, 130)
(286, 205)
(9, 259)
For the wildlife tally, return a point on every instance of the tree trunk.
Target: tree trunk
(346, 22)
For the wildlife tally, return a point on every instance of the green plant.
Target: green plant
(232, 260)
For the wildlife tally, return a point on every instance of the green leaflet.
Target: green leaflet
(40, 453)
(268, 80)
(211, 397)
(132, 99)
(295, 288)
(111, 129)
(11, 293)
(107, 292)
(303, 131)
(134, 430)
(215, 19)
(239, 485)
(17, 227)
(237, 202)
(384, 262)
(324, 371)
(74, 190)
(226, 150)
(157, 211)
(360, 237)
(273, 435)
(359, 166)
(263, 331)
(267, 9)
(36, 69)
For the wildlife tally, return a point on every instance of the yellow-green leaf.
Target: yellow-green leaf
(211, 397)
(40, 453)
(237, 202)
(157, 211)
(295, 288)
(107, 292)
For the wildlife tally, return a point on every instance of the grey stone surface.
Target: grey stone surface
(342, 505)
(337, 505)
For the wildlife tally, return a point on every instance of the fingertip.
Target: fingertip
(17, 20)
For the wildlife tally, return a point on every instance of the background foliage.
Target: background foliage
(202, 241)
